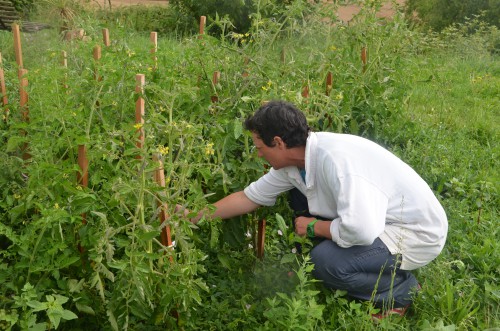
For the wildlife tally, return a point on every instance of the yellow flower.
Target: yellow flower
(339, 96)
(333, 48)
(138, 126)
(209, 149)
(163, 150)
(56, 206)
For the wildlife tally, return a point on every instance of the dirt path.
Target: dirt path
(345, 13)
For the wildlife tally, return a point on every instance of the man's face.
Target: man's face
(273, 155)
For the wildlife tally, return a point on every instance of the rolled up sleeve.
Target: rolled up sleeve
(266, 189)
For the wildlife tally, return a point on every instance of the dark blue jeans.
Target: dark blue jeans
(365, 272)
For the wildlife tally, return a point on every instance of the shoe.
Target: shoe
(394, 311)
(391, 312)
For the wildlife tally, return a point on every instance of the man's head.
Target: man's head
(279, 119)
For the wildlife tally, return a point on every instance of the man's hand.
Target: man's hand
(321, 228)
(185, 212)
(301, 223)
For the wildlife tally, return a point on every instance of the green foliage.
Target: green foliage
(439, 14)
(238, 14)
(23, 5)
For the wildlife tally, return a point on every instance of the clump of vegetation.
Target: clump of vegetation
(439, 14)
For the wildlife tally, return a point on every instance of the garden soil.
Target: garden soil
(345, 13)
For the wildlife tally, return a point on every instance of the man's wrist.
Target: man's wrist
(310, 229)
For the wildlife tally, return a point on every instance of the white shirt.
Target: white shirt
(367, 192)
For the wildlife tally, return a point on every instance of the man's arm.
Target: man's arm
(233, 205)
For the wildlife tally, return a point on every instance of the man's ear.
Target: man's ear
(279, 142)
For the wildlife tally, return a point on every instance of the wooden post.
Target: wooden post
(215, 81)
(64, 63)
(17, 45)
(203, 22)
(245, 67)
(329, 83)
(82, 179)
(105, 37)
(97, 56)
(154, 40)
(23, 105)
(261, 236)
(305, 91)
(5, 100)
(364, 57)
(139, 110)
(166, 238)
(82, 176)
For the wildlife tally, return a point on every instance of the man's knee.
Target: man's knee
(328, 267)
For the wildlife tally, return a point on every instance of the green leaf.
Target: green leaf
(288, 258)
(224, 260)
(84, 309)
(68, 315)
(238, 128)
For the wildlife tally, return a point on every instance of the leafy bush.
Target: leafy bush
(438, 14)
(23, 5)
(239, 13)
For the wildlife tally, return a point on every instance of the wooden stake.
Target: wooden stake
(105, 37)
(364, 57)
(17, 45)
(215, 81)
(139, 110)
(166, 238)
(23, 95)
(23, 106)
(5, 100)
(203, 22)
(245, 67)
(82, 176)
(154, 40)
(305, 91)
(97, 56)
(64, 63)
(64, 59)
(261, 236)
(329, 83)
